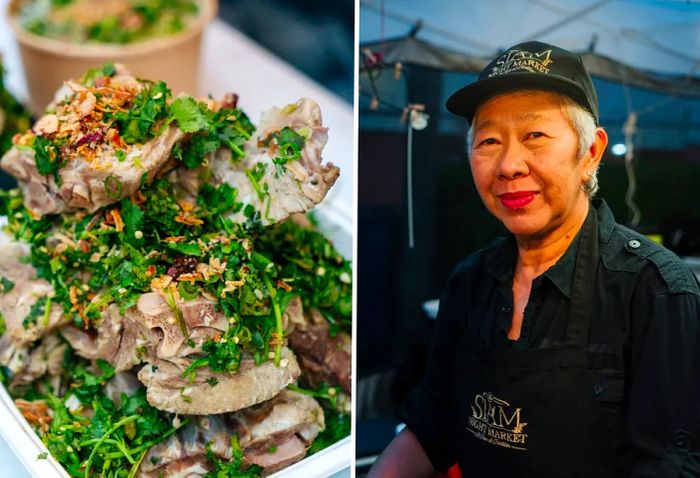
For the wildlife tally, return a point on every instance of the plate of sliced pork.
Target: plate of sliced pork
(169, 303)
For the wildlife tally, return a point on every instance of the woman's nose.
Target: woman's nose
(512, 161)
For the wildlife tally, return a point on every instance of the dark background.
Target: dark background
(314, 36)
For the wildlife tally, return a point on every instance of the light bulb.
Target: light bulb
(419, 120)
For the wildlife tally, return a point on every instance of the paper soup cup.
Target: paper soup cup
(48, 62)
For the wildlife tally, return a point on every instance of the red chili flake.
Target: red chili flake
(101, 81)
(150, 271)
(245, 269)
(89, 138)
(284, 285)
(117, 140)
(84, 246)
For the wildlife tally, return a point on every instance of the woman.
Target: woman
(571, 347)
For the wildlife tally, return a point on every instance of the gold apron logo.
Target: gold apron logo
(518, 60)
(494, 421)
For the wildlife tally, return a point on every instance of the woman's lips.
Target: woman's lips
(517, 200)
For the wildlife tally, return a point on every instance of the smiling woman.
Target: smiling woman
(558, 348)
(528, 167)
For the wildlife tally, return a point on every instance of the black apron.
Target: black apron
(532, 412)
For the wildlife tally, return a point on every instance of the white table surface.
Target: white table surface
(232, 62)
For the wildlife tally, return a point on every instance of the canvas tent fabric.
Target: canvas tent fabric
(411, 50)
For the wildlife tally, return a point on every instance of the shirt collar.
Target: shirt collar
(499, 260)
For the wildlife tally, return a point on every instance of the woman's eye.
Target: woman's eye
(536, 134)
(488, 141)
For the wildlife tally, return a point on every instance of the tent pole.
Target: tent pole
(409, 181)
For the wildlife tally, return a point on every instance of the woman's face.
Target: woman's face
(524, 163)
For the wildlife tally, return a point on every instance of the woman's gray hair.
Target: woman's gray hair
(580, 119)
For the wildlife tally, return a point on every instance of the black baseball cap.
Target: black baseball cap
(530, 65)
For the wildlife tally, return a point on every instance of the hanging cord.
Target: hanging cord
(630, 129)
(415, 118)
(409, 181)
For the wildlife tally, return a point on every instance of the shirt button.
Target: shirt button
(634, 243)
(506, 309)
(598, 389)
(680, 439)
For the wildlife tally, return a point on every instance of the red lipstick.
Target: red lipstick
(518, 199)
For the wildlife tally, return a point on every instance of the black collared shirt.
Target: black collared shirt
(644, 343)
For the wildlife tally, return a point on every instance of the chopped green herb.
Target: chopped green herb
(190, 114)
(228, 127)
(233, 468)
(289, 145)
(46, 156)
(141, 122)
(6, 285)
(35, 311)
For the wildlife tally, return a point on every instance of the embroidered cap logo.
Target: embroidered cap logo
(520, 60)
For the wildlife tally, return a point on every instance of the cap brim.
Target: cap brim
(465, 101)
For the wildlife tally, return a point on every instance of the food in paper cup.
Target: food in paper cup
(61, 39)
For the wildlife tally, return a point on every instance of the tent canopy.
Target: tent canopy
(411, 50)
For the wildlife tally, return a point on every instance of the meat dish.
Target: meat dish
(165, 304)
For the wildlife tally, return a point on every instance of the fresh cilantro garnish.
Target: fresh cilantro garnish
(38, 309)
(233, 468)
(101, 438)
(142, 120)
(47, 157)
(320, 274)
(191, 115)
(228, 127)
(133, 218)
(6, 285)
(290, 144)
(106, 70)
(337, 428)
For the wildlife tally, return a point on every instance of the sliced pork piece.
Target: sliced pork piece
(122, 383)
(272, 434)
(23, 304)
(99, 167)
(148, 331)
(251, 384)
(297, 186)
(322, 358)
(200, 317)
(29, 363)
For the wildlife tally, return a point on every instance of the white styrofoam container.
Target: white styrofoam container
(27, 446)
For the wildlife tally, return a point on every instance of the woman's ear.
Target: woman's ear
(596, 150)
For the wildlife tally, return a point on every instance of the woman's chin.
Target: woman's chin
(524, 225)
